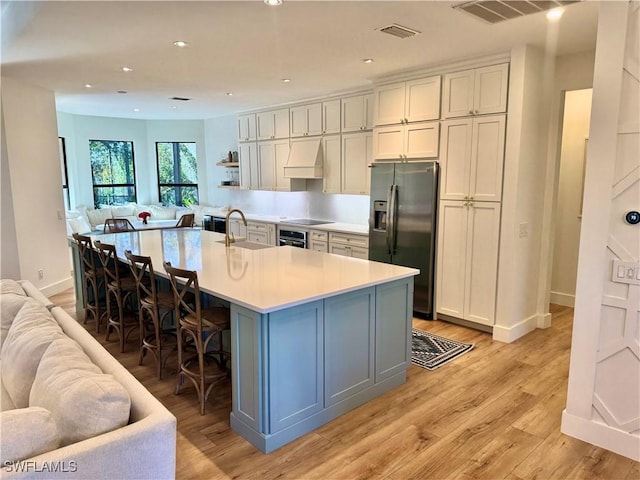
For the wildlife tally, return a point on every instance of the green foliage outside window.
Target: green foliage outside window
(112, 169)
(177, 173)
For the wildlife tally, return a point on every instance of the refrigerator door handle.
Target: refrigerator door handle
(391, 231)
(389, 220)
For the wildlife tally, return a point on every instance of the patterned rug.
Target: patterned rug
(431, 351)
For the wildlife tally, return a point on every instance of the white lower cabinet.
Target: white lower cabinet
(318, 241)
(237, 228)
(349, 245)
(467, 263)
(259, 232)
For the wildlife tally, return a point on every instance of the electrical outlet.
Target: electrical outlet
(40, 274)
(60, 216)
(625, 272)
(524, 229)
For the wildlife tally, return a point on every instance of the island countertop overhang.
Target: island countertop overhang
(264, 280)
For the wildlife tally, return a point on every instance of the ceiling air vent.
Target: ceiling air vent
(182, 99)
(494, 11)
(398, 31)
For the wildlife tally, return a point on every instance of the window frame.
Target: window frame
(114, 185)
(62, 152)
(175, 150)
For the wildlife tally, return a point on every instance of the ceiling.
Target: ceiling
(247, 48)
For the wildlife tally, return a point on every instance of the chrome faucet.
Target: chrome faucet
(229, 240)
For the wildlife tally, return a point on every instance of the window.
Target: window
(112, 169)
(177, 173)
(62, 153)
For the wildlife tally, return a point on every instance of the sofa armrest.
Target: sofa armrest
(33, 292)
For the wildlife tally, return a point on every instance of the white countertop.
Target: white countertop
(353, 228)
(262, 280)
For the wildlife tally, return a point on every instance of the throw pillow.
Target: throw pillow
(162, 213)
(122, 211)
(11, 286)
(27, 432)
(10, 305)
(78, 225)
(31, 332)
(98, 216)
(84, 401)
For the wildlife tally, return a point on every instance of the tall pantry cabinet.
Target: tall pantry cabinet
(472, 162)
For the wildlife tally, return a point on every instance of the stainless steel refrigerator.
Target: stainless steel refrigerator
(402, 222)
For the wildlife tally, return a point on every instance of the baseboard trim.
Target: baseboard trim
(564, 299)
(601, 435)
(57, 287)
(514, 332)
(544, 320)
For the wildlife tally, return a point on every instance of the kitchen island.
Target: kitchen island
(313, 335)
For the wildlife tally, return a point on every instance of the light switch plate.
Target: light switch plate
(625, 272)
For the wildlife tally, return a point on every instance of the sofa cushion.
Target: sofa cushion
(11, 286)
(5, 401)
(162, 213)
(27, 432)
(31, 332)
(78, 225)
(98, 216)
(10, 305)
(84, 401)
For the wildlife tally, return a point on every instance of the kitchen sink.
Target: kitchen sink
(248, 245)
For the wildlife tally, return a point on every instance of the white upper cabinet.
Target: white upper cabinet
(306, 120)
(472, 158)
(249, 172)
(478, 91)
(272, 157)
(406, 142)
(331, 117)
(357, 113)
(273, 124)
(247, 128)
(406, 102)
(332, 166)
(356, 157)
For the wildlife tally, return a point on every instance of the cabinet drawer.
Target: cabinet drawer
(257, 227)
(318, 236)
(354, 240)
(258, 237)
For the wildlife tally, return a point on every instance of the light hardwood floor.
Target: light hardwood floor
(493, 413)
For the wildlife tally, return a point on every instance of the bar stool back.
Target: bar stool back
(92, 281)
(120, 292)
(196, 328)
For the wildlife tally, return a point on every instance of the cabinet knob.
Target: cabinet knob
(406, 120)
(476, 112)
(471, 112)
(471, 204)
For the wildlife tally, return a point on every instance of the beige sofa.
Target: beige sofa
(68, 408)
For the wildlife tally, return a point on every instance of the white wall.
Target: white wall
(9, 261)
(603, 399)
(575, 129)
(31, 141)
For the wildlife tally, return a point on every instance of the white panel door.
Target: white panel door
(422, 99)
(389, 101)
(452, 248)
(388, 142)
(281, 123)
(247, 127)
(455, 158)
(314, 119)
(298, 121)
(357, 113)
(487, 158)
(483, 227)
(332, 166)
(265, 126)
(490, 89)
(421, 140)
(356, 156)
(457, 95)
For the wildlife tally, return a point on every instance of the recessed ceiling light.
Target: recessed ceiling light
(136, 109)
(180, 43)
(554, 14)
(88, 85)
(173, 107)
(273, 3)
(127, 69)
(286, 80)
(121, 91)
(368, 60)
(229, 94)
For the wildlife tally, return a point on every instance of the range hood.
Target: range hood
(305, 159)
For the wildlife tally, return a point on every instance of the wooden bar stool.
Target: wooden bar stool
(115, 225)
(154, 307)
(92, 281)
(186, 220)
(196, 328)
(120, 292)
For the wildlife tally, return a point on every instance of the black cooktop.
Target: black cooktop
(305, 221)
